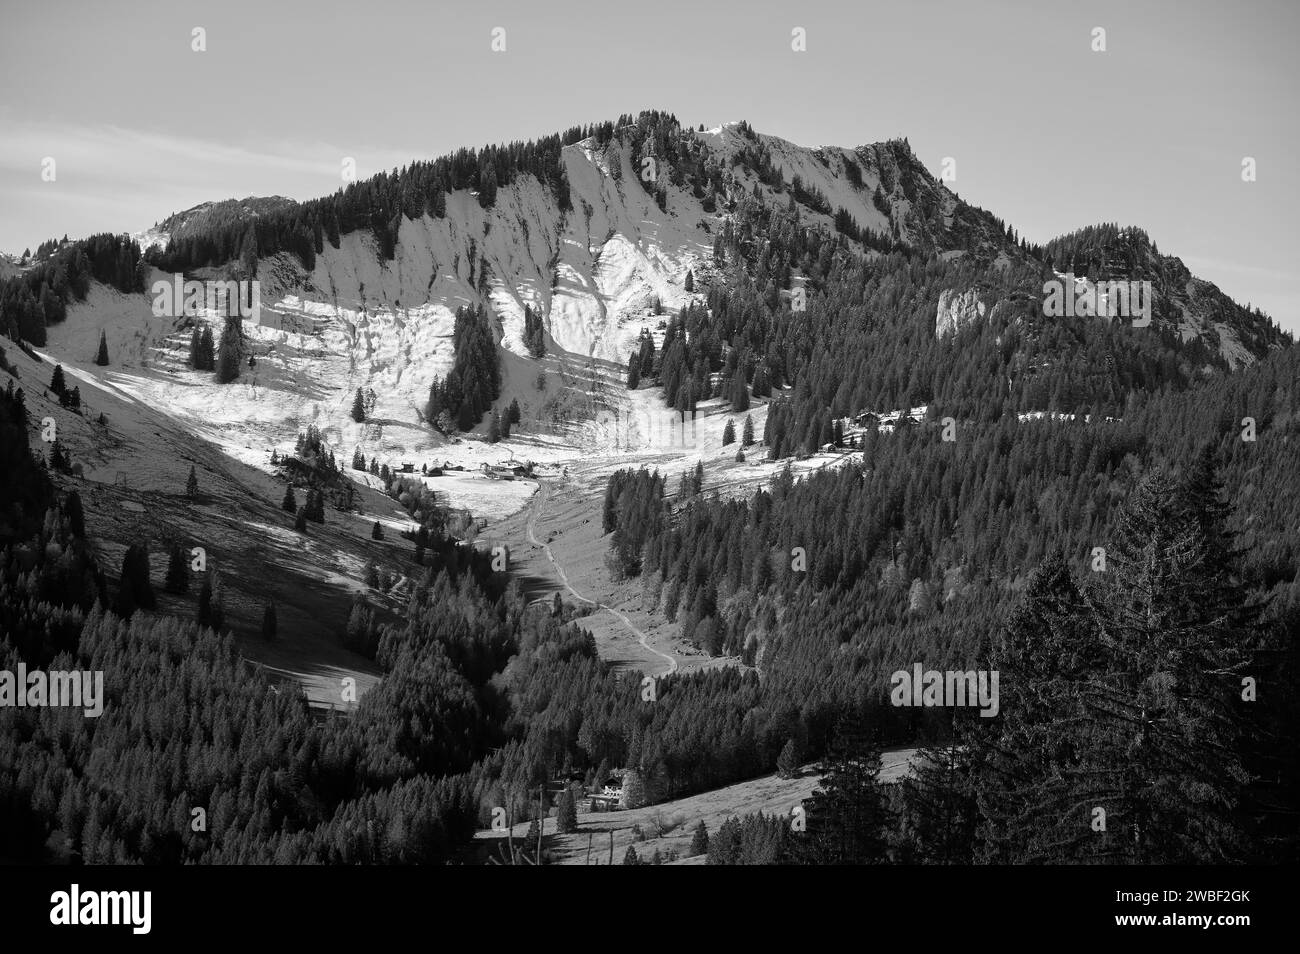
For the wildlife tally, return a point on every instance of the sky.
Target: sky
(1046, 132)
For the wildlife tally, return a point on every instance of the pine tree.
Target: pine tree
(514, 414)
(739, 392)
(728, 433)
(101, 358)
(494, 428)
(846, 816)
(566, 813)
(134, 587)
(228, 359)
(700, 840)
(377, 531)
(689, 285)
(178, 571)
(207, 350)
(630, 858)
(747, 432)
(359, 407)
(57, 383)
(300, 520)
(289, 504)
(76, 515)
(787, 763)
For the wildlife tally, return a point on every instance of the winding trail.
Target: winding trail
(535, 508)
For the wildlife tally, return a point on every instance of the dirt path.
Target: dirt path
(535, 506)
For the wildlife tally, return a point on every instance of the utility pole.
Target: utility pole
(541, 821)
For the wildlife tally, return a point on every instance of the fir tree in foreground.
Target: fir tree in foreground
(101, 358)
(846, 815)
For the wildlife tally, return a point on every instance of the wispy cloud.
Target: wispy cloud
(110, 177)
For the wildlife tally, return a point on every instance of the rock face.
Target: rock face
(957, 309)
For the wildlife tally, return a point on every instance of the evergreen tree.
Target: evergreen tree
(377, 531)
(566, 815)
(290, 503)
(739, 392)
(228, 360)
(700, 840)
(101, 358)
(747, 432)
(192, 484)
(76, 516)
(178, 571)
(630, 858)
(358, 407)
(787, 763)
(728, 433)
(846, 815)
(207, 350)
(134, 587)
(57, 383)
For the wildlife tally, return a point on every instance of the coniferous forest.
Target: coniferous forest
(1104, 515)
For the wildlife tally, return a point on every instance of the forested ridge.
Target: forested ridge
(1129, 562)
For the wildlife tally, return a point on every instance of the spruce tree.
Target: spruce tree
(178, 571)
(358, 407)
(700, 839)
(289, 503)
(846, 816)
(101, 358)
(76, 515)
(787, 763)
(566, 813)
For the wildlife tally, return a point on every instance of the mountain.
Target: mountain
(789, 420)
